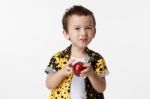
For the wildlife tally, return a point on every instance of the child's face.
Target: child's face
(81, 30)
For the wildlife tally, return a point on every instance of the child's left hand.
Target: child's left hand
(88, 70)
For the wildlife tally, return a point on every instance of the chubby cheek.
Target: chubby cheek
(73, 35)
(90, 38)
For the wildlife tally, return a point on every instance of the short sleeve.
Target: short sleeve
(51, 68)
(101, 69)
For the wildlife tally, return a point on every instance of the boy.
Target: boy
(79, 27)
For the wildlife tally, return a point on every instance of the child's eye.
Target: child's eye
(88, 27)
(77, 28)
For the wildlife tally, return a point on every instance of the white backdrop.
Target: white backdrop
(31, 31)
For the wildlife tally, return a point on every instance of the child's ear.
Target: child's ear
(66, 35)
(94, 33)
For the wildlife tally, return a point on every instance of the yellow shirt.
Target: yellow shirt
(62, 91)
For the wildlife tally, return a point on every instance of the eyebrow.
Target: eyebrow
(81, 26)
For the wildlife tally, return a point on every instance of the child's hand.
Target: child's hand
(68, 69)
(87, 71)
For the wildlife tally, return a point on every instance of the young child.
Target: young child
(79, 28)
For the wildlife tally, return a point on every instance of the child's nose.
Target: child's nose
(83, 32)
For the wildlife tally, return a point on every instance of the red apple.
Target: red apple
(78, 67)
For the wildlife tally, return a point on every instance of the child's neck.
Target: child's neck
(78, 52)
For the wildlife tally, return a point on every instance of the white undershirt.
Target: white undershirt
(78, 84)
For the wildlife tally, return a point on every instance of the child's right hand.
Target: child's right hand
(68, 69)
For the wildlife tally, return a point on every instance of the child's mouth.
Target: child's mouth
(83, 39)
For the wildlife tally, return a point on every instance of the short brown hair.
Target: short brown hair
(76, 10)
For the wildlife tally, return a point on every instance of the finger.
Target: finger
(82, 75)
(69, 68)
(69, 63)
(84, 71)
(87, 69)
(87, 65)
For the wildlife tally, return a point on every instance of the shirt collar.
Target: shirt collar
(67, 53)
